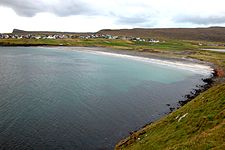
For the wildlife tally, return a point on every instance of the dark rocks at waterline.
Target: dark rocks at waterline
(196, 92)
(172, 109)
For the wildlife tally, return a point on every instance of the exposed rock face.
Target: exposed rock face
(16, 31)
(219, 72)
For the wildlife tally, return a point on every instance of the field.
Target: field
(121, 44)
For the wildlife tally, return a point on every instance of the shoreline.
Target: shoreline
(209, 69)
(124, 52)
(214, 50)
(192, 65)
(178, 64)
(209, 81)
(134, 135)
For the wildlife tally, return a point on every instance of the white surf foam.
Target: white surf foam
(194, 67)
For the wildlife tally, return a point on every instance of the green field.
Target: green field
(203, 126)
(119, 44)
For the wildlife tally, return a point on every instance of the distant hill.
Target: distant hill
(216, 34)
(207, 34)
(18, 31)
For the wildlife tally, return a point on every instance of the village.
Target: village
(71, 36)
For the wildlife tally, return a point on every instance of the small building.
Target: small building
(51, 37)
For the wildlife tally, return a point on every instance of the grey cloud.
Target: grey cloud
(30, 8)
(132, 20)
(141, 21)
(201, 20)
(23, 8)
(71, 7)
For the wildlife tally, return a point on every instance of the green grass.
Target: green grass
(170, 45)
(167, 45)
(120, 44)
(65, 42)
(202, 128)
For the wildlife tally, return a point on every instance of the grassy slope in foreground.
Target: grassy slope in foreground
(203, 126)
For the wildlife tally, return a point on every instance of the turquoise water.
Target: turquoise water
(53, 98)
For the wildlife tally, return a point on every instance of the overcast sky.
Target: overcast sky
(93, 15)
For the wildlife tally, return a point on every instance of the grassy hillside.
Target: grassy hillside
(201, 127)
(205, 34)
(199, 34)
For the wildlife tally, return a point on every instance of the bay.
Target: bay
(55, 98)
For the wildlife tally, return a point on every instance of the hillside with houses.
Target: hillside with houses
(20, 34)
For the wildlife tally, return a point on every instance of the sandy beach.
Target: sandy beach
(193, 65)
